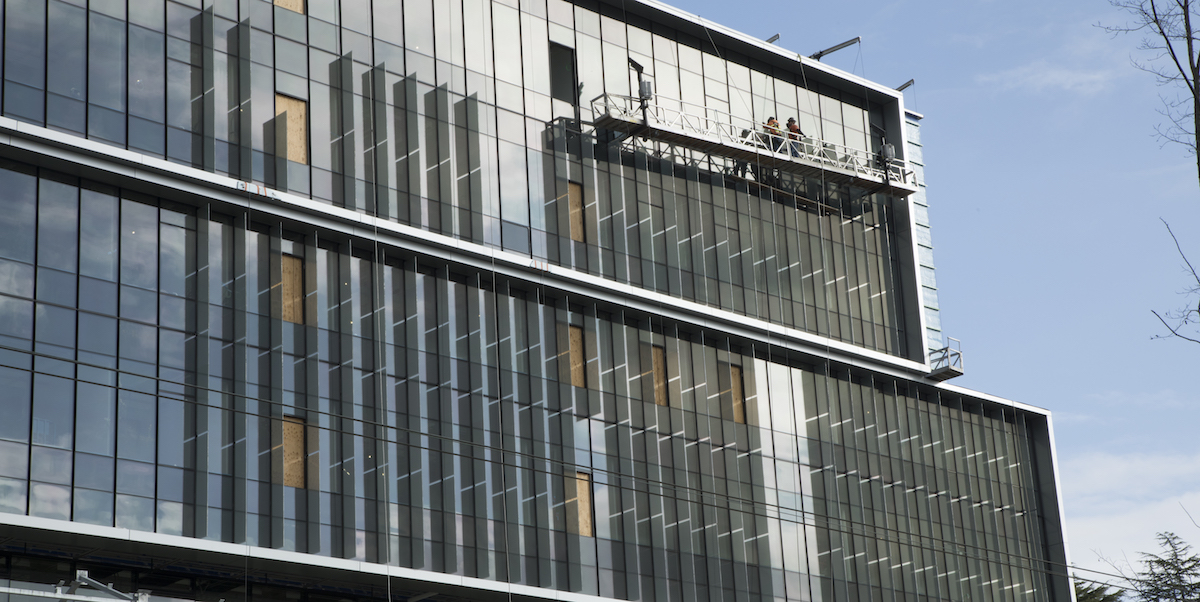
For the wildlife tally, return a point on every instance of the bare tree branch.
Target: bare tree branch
(1189, 314)
(1174, 330)
(1168, 36)
(1166, 27)
(1191, 269)
(1189, 515)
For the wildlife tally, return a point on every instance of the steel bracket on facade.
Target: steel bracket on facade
(82, 579)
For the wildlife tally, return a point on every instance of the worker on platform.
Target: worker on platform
(795, 135)
(774, 134)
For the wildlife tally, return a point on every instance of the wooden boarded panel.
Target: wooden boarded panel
(578, 365)
(291, 288)
(579, 505)
(739, 395)
(292, 5)
(296, 131)
(658, 360)
(295, 452)
(575, 210)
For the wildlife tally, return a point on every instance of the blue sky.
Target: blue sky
(1046, 190)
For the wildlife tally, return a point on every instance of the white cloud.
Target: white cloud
(1138, 477)
(1117, 503)
(1041, 75)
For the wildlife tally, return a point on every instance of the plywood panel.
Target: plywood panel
(659, 361)
(292, 5)
(579, 505)
(578, 365)
(739, 395)
(575, 209)
(296, 128)
(291, 287)
(294, 452)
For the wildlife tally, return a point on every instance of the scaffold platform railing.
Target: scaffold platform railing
(747, 143)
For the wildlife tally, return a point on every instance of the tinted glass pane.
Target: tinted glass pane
(138, 342)
(106, 62)
(18, 221)
(53, 411)
(96, 410)
(135, 427)
(55, 325)
(58, 218)
(418, 16)
(51, 465)
(135, 513)
(55, 286)
(177, 260)
(67, 64)
(98, 241)
(98, 295)
(97, 334)
(50, 501)
(562, 74)
(16, 278)
(12, 495)
(106, 124)
(25, 103)
(94, 507)
(14, 459)
(139, 244)
(66, 113)
(147, 74)
(94, 472)
(25, 46)
(135, 477)
(16, 317)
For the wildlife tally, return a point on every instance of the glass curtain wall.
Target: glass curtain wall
(441, 115)
(200, 372)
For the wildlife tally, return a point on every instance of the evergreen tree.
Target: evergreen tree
(1170, 576)
(1097, 592)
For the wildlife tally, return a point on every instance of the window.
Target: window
(294, 449)
(575, 211)
(291, 133)
(579, 504)
(291, 288)
(658, 359)
(563, 85)
(292, 5)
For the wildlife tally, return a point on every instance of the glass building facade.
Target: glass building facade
(352, 300)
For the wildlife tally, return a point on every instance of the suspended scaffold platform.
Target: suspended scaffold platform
(747, 143)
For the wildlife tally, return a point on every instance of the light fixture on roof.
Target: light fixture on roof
(773, 39)
(906, 84)
(820, 53)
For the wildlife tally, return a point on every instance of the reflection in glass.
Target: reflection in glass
(99, 240)
(18, 220)
(24, 43)
(14, 459)
(135, 513)
(96, 408)
(106, 62)
(53, 410)
(12, 495)
(135, 425)
(50, 501)
(94, 507)
(51, 465)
